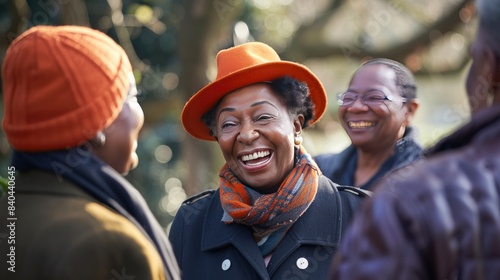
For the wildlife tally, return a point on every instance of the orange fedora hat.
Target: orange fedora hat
(241, 66)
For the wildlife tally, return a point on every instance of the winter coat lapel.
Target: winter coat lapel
(311, 229)
(216, 235)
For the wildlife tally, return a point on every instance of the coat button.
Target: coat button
(226, 264)
(302, 263)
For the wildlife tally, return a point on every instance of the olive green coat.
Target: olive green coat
(63, 233)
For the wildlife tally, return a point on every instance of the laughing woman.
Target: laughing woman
(378, 124)
(274, 215)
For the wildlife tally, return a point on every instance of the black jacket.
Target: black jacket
(340, 168)
(206, 248)
(440, 222)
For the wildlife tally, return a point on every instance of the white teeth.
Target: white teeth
(362, 124)
(255, 155)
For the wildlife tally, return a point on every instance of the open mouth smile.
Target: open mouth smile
(256, 158)
(360, 124)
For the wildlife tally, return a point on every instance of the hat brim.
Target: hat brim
(207, 97)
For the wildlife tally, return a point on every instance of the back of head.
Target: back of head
(404, 78)
(62, 85)
(489, 19)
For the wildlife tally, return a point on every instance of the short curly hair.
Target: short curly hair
(294, 94)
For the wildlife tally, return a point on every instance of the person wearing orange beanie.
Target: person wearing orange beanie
(72, 118)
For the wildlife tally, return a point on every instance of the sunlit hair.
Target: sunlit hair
(404, 78)
(292, 92)
(489, 18)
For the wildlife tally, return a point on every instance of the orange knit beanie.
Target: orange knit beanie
(62, 85)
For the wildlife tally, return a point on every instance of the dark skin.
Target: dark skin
(374, 130)
(255, 132)
(483, 80)
(119, 150)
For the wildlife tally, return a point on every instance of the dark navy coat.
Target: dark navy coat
(207, 248)
(341, 167)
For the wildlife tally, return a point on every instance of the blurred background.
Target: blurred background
(172, 45)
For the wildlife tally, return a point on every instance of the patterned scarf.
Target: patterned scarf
(270, 215)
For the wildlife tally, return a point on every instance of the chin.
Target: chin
(125, 169)
(133, 166)
(130, 167)
(361, 142)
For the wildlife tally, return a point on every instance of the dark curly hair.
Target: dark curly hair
(294, 93)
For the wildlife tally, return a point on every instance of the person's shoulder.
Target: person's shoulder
(105, 225)
(114, 235)
(197, 204)
(428, 175)
(95, 220)
(325, 156)
(328, 162)
(324, 159)
(326, 184)
(361, 193)
(199, 198)
(192, 213)
(83, 238)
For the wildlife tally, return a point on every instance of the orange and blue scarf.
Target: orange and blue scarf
(270, 215)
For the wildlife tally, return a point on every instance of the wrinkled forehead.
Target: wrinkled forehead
(251, 94)
(374, 76)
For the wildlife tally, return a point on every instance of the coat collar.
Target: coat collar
(37, 181)
(483, 126)
(309, 229)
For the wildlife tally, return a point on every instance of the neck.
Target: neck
(373, 159)
(269, 190)
(369, 162)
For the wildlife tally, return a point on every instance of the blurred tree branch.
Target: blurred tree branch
(199, 39)
(203, 28)
(308, 41)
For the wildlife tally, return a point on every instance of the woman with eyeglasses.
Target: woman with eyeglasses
(376, 112)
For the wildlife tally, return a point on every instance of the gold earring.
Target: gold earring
(297, 140)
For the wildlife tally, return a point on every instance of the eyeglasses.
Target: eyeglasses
(371, 98)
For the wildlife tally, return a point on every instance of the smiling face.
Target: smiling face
(255, 133)
(374, 127)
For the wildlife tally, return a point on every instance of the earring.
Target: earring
(297, 140)
(99, 140)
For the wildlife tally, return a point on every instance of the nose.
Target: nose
(247, 134)
(137, 115)
(357, 105)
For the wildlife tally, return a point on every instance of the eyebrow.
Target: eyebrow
(364, 91)
(230, 109)
(263, 102)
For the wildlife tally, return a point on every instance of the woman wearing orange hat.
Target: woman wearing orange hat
(274, 215)
(72, 118)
